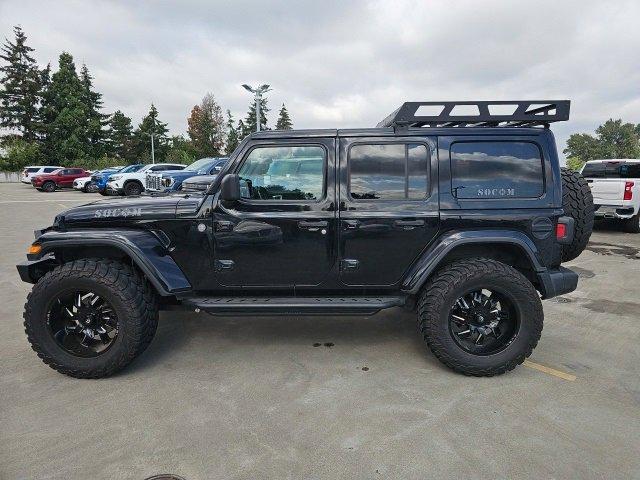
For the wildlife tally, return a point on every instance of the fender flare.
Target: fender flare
(429, 261)
(147, 249)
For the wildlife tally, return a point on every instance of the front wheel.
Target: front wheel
(90, 318)
(48, 187)
(480, 317)
(133, 188)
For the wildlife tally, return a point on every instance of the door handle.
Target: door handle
(313, 224)
(351, 224)
(409, 223)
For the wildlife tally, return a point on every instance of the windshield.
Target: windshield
(130, 168)
(198, 165)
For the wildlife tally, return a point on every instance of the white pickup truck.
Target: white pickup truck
(615, 186)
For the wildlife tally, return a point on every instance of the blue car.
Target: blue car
(100, 178)
(171, 180)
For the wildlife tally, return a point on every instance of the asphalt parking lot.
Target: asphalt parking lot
(236, 398)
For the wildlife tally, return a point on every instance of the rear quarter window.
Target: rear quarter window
(496, 170)
(611, 170)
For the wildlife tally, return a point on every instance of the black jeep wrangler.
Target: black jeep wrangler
(461, 216)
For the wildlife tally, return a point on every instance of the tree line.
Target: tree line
(57, 118)
(612, 139)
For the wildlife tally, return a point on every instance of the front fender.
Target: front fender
(147, 249)
(433, 256)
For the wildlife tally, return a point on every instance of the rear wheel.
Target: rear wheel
(480, 317)
(632, 225)
(48, 187)
(90, 187)
(133, 188)
(90, 318)
(577, 202)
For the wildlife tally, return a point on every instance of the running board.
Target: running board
(293, 305)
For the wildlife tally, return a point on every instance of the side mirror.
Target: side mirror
(230, 188)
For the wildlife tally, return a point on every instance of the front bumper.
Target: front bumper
(114, 188)
(614, 211)
(32, 270)
(558, 282)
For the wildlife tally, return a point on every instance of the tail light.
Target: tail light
(561, 231)
(628, 190)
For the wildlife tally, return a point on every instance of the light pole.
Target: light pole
(258, 97)
(153, 130)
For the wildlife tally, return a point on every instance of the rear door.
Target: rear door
(281, 233)
(388, 207)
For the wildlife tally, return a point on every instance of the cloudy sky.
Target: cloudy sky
(345, 64)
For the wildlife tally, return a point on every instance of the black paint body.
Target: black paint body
(208, 247)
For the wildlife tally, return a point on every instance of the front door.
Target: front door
(282, 232)
(388, 207)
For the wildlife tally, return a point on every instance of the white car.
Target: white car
(33, 170)
(84, 184)
(615, 186)
(132, 183)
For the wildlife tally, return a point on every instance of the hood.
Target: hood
(181, 174)
(198, 182)
(131, 210)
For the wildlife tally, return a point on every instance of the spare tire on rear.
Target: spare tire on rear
(577, 203)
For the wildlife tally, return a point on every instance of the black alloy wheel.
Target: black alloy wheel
(133, 188)
(82, 323)
(483, 322)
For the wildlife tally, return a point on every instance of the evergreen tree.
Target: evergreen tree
(232, 135)
(95, 121)
(19, 96)
(64, 113)
(150, 125)
(206, 128)
(250, 121)
(120, 137)
(284, 121)
(613, 139)
(181, 150)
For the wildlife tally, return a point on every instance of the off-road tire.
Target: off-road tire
(632, 225)
(48, 187)
(133, 188)
(133, 300)
(452, 281)
(577, 203)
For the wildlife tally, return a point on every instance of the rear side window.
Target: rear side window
(31, 170)
(611, 170)
(496, 170)
(388, 172)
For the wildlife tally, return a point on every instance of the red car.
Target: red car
(61, 178)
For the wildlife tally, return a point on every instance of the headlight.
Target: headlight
(167, 182)
(115, 177)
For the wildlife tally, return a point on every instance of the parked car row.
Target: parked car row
(128, 180)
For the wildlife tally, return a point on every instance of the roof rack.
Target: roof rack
(499, 113)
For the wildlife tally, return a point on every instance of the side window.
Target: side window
(157, 168)
(388, 172)
(50, 169)
(496, 170)
(65, 171)
(284, 173)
